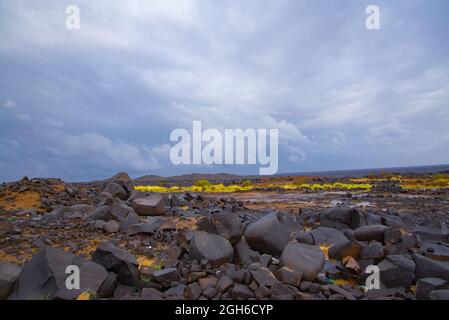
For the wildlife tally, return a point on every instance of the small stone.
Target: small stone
(166, 276)
(111, 226)
(288, 276)
(193, 291)
(241, 292)
(304, 286)
(224, 283)
(151, 294)
(314, 288)
(193, 276)
(206, 282)
(210, 292)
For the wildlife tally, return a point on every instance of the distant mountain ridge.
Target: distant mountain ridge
(191, 177)
(226, 177)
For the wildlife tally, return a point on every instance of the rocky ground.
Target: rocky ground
(251, 245)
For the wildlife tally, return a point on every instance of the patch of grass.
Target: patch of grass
(203, 184)
(144, 261)
(246, 183)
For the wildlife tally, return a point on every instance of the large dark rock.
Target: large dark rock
(339, 217)
(270, 234)
(102, 213)
(58, 214)
(116, 210)
(112, 258)
(228, 225)
(407, 244)
(108, 286)
(302, 258)
(433, 231)
(153, 205)
(327, 236)
(116, 190)
(44, 276)
(243, 253)
(128, 274)
(264, 277)
(124, 214)
(369, 233)
(350, 248)
(9, 272)
(394, 222)
(150, 227)
(439, 295)
(373, 251)
(321, 235)
(166, 276)
(212, 247)
(429, 268)
(397, 271)
(436, 251)
(426, 285)
(289, 276)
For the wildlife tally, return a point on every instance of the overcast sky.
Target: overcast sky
(85, 104)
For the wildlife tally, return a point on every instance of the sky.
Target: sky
(85, 104)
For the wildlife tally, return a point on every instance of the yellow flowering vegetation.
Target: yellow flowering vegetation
(211, 188)
(144, 261)
(86, 295)
(328, 186)
(435, 181)
(221, 188)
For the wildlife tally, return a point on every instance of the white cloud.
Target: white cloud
(23, 117)
(99, 150)
(388, 133)
(10, 104)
